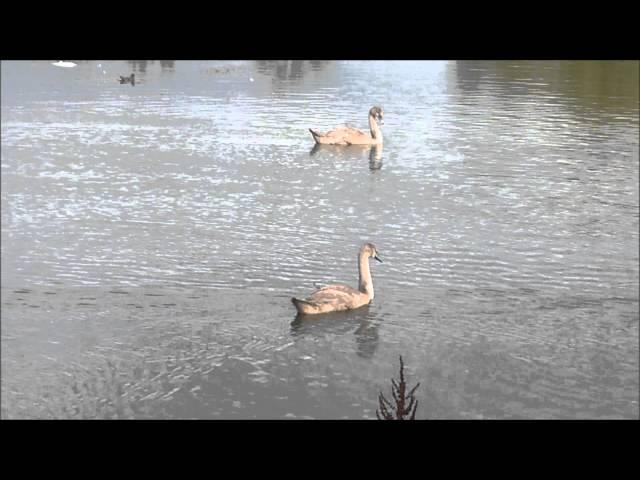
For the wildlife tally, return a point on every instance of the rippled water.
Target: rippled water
(152, 236)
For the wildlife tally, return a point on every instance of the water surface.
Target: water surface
(152, 236)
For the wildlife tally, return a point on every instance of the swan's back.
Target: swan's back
(332, 298)
(342, 136)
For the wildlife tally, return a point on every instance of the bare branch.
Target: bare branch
(398, 391)
(413, 415)
(413, 390)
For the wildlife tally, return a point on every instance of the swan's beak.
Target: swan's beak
(377, 258)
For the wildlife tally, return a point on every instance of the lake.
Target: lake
(154, 234)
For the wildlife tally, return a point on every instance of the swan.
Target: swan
(335, 298)
(345, 135)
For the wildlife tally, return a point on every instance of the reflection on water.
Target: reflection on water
(361, 323)
(353, 152)
(375, 157)
(373, 152)
(366, 339)
(607, 85)
(285, 70)
(139, 65)
(152, 238)
(337, 322)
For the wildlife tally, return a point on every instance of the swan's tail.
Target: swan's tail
(297, 302)
(304, 306)
(316, 135)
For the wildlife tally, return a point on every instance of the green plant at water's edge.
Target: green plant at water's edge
(398, 390)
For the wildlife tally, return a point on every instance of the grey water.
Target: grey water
(153, 235)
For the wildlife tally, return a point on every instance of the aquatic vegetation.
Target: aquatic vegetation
(401, 409)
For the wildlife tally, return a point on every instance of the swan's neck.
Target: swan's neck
(365, 285)
(376, 133)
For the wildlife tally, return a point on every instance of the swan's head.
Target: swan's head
(377, 114)
(371, 251)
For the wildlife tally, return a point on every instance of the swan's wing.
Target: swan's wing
(346, 131)
(333, 293)
(340, 288)
(343, 135)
